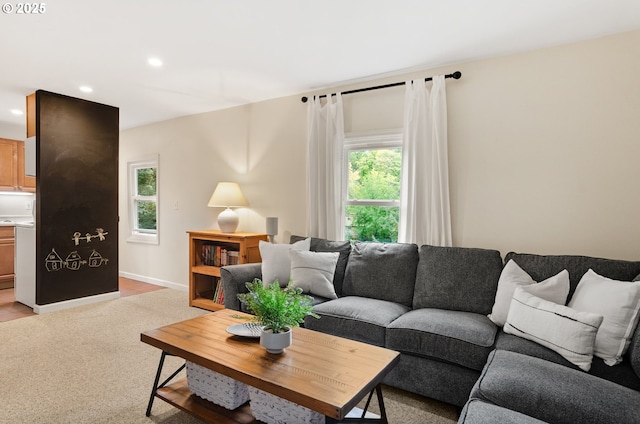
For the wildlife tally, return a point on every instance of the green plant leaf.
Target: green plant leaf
(277, 308)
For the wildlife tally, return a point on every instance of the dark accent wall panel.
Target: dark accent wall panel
(76, 198)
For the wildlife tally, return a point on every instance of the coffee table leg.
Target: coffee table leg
(157, 379)
(366, 405)
(363, 419)
(383, 411)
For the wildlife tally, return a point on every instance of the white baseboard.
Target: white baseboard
(155, 281)
(72, 303)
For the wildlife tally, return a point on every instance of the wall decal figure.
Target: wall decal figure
(54, 261)
(100, 234)
(74, 261)
(96, 259)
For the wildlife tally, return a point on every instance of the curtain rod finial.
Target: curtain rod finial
(456, 75)
(304, 99)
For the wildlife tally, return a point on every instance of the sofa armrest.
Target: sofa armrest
(553, 393)
(234, 279)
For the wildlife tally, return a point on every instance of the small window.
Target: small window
(143, 201)
(372, 201)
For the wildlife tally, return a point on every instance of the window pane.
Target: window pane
(146, 214)
(375, 174)
(146, 181)
(372, 223)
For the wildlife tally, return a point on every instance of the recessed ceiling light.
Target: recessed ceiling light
(86, 89)
(17, 112)
(154, 61)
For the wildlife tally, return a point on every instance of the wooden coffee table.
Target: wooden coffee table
(324, 373)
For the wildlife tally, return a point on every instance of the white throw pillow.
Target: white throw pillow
(276, 264)
(566, 331)
(313, 272)
(554, 289)
(618, 302)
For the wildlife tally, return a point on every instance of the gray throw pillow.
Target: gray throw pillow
(384, 271)
(457, 278)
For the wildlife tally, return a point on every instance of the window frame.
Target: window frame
(138, 235)
(354, 141)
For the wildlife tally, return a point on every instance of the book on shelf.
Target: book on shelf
(218, 295)
(220, 298)
(215, 255)
(233, 257)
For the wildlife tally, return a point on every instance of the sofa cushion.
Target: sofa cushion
(552, 392)
(634, 352)
(463, 338)
(554, 289)
(621, 374)
(564, 330)
(356, 318)
(457, 278)
(541, 267)
(323, 245)
(384, 271)
(477, 411)
(618, 302)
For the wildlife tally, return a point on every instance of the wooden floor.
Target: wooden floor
(10, 309)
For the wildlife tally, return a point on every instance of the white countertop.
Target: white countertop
(12, 221)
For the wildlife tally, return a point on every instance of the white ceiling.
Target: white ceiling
(223, 53)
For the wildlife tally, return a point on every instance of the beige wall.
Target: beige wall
(543, 153)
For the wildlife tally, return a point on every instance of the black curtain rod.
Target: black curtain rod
(455, 75)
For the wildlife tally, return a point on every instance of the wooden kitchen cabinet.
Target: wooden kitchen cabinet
(7, 246)
(12, 168)
(31, 115)
(25, 182)
(8, 164)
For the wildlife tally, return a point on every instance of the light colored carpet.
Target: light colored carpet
(87, 365)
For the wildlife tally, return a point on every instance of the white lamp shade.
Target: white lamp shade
(227, 195)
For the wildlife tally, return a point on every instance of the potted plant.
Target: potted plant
(278, 309)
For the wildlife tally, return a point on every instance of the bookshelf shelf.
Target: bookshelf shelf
(209, 250)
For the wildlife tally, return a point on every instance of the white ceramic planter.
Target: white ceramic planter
(275, 343)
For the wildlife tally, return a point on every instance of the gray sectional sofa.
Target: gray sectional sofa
(431, 304)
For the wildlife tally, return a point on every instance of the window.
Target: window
(373, 169)
(143, 201)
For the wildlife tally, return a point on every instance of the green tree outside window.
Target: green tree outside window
(374, 174)
(146, 209)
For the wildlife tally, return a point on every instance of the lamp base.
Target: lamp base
(228, 221)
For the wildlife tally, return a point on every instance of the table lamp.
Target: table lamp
(227, 195)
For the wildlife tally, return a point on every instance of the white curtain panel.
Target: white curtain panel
(326, 139)
(425, 216)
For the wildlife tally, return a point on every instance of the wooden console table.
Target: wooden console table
(325, 373)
